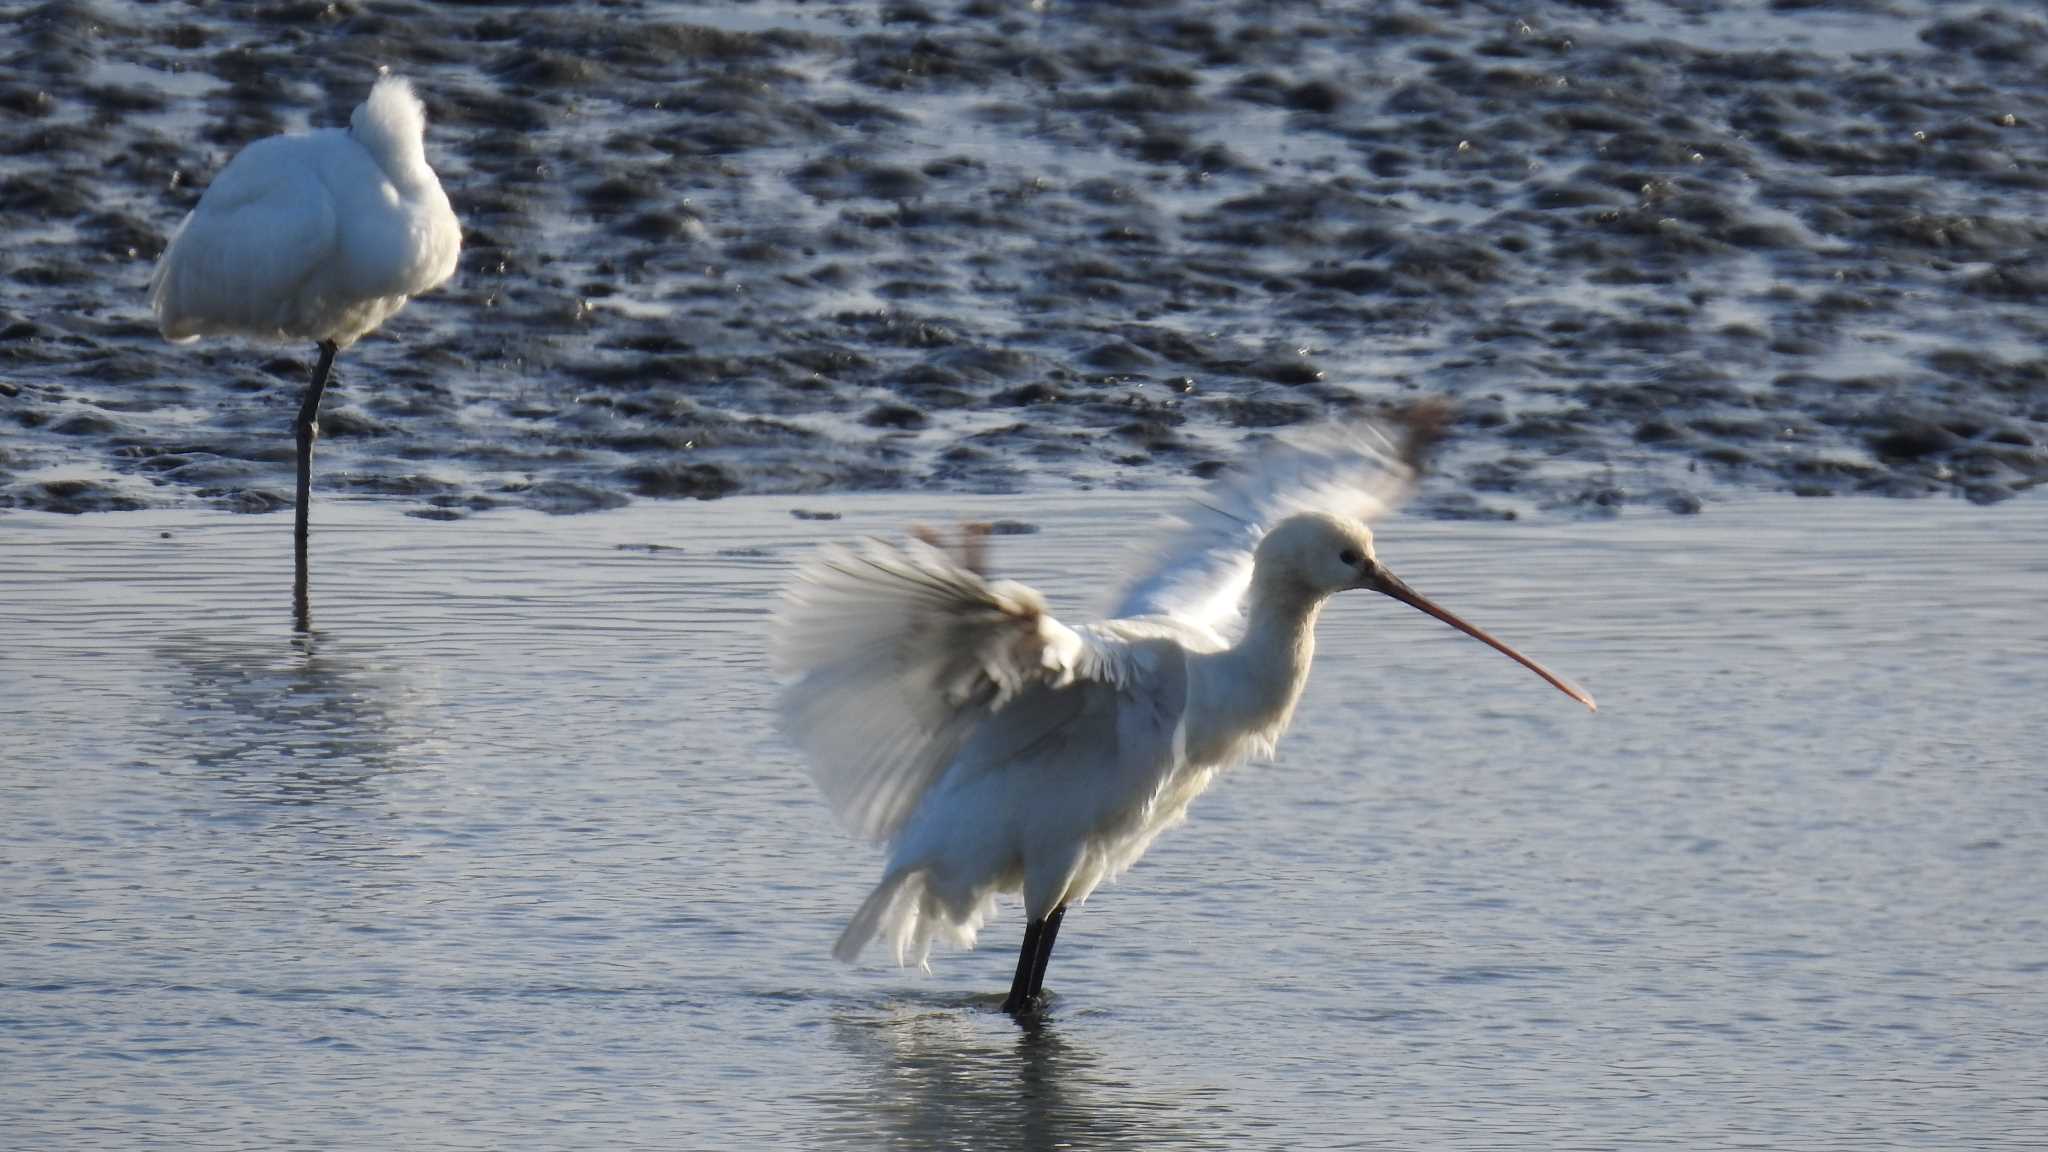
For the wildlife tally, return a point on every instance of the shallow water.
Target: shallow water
(509, 854)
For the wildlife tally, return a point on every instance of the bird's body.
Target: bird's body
(321, 236)
(1067, 785)
(996, 750)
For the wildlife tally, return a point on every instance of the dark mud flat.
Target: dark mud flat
(1655, 250)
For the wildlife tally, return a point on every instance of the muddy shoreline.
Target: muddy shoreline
(1655, 252)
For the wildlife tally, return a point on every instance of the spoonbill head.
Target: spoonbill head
(320, 236)
(1318, 555)
(994, 749)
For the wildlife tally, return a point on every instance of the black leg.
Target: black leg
(1045, 939)
(1019, 1000)
(308, 427)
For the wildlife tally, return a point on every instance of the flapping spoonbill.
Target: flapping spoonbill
(995, 749)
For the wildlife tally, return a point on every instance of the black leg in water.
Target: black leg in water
(307, 427)
(1045, 939)
(1019, 1001)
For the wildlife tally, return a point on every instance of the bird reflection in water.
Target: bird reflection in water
(295, 736)
(951, 1078)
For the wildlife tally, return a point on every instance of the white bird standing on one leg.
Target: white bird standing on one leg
(321, 236)
(995, 749)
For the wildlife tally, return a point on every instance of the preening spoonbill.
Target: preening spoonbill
(995, 749)
(320, 236)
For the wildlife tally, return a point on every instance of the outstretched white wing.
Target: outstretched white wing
(1199, 571)
(900, 653)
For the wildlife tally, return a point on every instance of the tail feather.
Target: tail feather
(868, 920)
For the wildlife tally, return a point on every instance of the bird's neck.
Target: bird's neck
(405, 162)
(401, 157)
(1259, 679)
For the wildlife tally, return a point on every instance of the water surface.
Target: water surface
(509, 855)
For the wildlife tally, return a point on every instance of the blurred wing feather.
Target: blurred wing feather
(900, 653)
(1199, 571)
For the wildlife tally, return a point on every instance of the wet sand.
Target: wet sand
(1660, 253)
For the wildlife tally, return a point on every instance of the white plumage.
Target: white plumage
(1203, 566)
(320, 236)
(997, 750)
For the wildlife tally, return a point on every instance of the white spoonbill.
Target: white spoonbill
(995, 749)
(320, 236)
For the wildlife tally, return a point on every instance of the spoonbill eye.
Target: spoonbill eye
(1350, 557)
